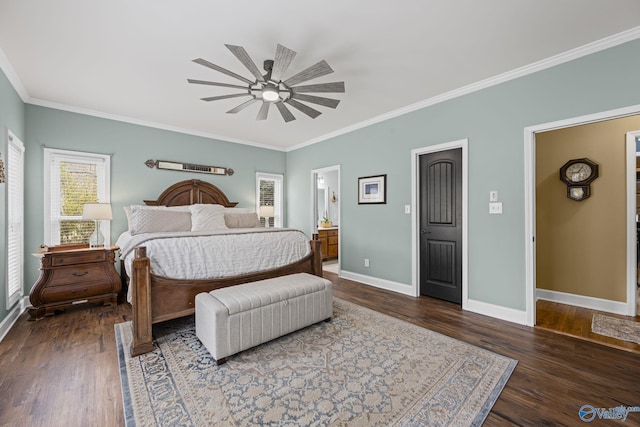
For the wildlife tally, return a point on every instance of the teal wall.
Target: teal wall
(12, 117)
(131, 181)
(493, 120)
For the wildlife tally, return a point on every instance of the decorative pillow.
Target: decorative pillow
(207, 218)
(158, 220)
(241, 219)
(129, 209)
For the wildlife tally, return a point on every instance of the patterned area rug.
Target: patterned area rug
(614, 327)
(362, 368)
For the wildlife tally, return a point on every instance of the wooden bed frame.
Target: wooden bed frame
(157, 299)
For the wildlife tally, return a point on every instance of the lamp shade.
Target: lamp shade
(266, 211)
(97, 211)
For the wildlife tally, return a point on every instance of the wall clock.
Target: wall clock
(578, 174)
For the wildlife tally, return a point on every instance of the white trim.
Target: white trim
(415, 217)
(12, 76)
(570, 55)
(497, 311)
(134, 121)
(279, 180)
(14, 143)
(377, 282)
(12, 317)
(632, 256)
(314, 206)
(592, 303)
(105, 226)
(530, 194)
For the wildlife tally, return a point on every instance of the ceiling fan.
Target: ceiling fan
(272, 87)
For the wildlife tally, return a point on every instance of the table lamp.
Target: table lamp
(266, 212)
(97, 212)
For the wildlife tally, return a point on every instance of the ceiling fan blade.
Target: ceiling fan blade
(326, 102)
(311, 112)
(286, 114)
(205, 82)
(216, 98)
(316, 70)
(282, 61)
(246, 60)
(221, 70)
(264, 111)
(242, 106)
(334, 87)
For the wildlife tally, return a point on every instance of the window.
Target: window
(269, 193)
(15, 223)
(73, 178)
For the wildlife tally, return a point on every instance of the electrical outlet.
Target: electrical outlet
(495, 208)
(366, 262)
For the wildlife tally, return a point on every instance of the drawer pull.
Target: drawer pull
(79, 291)
(80, 274)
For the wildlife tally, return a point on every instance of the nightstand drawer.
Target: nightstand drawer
(69, 275)
(76, 292)
(78, 258)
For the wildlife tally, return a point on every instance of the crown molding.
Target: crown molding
(13, 78)
(130, 120)
(570, 55)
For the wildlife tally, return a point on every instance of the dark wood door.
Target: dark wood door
(441, 225)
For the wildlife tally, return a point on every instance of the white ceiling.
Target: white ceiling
(130, 59)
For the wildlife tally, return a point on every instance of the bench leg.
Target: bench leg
(221, 361)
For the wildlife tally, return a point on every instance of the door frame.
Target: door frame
(415, 213)
(314, 205)
(530, 205)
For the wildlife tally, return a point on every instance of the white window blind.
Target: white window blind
(269, 193)
(73, 178)
(15, 222)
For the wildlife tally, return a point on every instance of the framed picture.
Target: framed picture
(372, 189)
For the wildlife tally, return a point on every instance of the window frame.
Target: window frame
(51, 223)
(278, 202)
(13, 296)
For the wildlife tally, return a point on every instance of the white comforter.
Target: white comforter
(208, 255)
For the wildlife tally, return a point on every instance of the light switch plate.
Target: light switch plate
(407, 209)
(493, 196)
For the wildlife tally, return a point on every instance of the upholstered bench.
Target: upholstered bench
(235, 318)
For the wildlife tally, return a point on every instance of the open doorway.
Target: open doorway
(602, 225)
(325, 214)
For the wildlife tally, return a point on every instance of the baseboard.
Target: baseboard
(583, 301)
(10, 320)
(378, 283)
(497, 311)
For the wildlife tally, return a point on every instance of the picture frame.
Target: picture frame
(372, 190)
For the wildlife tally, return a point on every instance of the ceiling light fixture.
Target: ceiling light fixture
(270, 88)
(270, 93)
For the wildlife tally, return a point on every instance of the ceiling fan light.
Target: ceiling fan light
(270, 93)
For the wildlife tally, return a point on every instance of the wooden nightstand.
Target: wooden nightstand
(74, 276)
(329, 239)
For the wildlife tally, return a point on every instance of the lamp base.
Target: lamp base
(97, 239)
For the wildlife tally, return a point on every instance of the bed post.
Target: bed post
(140, 284)
(316, 261)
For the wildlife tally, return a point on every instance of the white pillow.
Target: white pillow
(129, 209)
(158, 220)
(207, 218)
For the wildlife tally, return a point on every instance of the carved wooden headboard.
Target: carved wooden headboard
(190, 192)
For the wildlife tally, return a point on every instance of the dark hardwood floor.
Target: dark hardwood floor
(63, 370)
(576, 322)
